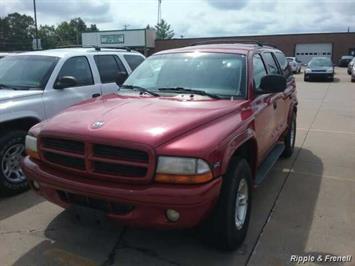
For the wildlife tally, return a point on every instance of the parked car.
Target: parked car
(319, 67)
(353, 74)
(295, 64)
(350, 65)
(183, 143)
(345, 60)
(34, 86)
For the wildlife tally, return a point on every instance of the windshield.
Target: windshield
(26, 71)
(320, 62)
(215, 73)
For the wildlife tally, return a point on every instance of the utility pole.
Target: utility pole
(36, 29)
(125, 26)
(159, 11)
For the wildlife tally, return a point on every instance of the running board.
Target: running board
(268, 163)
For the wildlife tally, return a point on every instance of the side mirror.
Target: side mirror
(273, 84)
(121, 78)
(65, 82)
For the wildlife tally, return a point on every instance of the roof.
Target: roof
(239, 48)
(63, 52)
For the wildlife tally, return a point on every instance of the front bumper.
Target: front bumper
(149, 202)
(322, 75)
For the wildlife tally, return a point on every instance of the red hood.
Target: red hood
(146, 120)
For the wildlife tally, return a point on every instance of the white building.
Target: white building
(142, 40)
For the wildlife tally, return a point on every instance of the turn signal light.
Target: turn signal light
(184, 179)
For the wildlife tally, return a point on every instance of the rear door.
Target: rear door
(133, 60)
(109, 65)
(277, 100)
(284, 102)
(56, 100)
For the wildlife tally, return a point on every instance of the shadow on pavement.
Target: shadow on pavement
(288, 230)
(289, 198)
(10, 206)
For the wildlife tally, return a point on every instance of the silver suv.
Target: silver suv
(34, 86)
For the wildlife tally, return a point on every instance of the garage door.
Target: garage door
(305, 51)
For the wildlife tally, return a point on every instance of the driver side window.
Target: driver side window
(79, 68)
(259, 70)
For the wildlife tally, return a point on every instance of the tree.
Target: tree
(17, 31)
(164, 30)
(69, 33)
(93, 28)
(48, 36)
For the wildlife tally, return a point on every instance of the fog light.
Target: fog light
(35, 185)
(172, 215)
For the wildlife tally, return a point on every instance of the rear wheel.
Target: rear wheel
(227, 227)
(290, 138)
(12, 150)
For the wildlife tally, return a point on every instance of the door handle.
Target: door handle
(96, 95)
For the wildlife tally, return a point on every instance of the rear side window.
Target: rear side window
(270, 63)
(79, 68)
(283, 64)
(281, 59)
(133, 60)
(109, 66)
(259, 70)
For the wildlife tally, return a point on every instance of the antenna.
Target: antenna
(159, 11)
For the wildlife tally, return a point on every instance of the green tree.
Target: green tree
(48, 36)
(17, 32)
(164, 30)
(69, 33)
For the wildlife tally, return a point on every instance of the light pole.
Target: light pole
(159, 11)
(36, 29)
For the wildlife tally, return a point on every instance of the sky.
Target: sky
(198, 18)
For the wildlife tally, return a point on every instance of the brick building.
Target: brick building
(303, 46)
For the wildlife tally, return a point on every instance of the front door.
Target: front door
(264, 111)
(56, 100)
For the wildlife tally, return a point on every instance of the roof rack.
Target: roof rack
(258, 43)
(69, 46)
(98, 48)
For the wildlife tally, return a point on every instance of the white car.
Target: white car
(295, 65)
(35, 86)
(353, 73)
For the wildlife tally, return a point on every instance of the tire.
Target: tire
(222, 229)
(290, 137)
(305, 79)
(352, 80)
(12, 149)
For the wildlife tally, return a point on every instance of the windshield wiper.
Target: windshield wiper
(140, 89)
(191, 91)
(4, 86)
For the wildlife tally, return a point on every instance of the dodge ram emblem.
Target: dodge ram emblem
(97, 124)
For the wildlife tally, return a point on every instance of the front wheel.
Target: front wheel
(12, 150)
(227, 227)
(290, 137)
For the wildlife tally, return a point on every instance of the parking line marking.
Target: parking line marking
(67, 258)
(326, 131)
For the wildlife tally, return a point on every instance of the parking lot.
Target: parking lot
(305, 206)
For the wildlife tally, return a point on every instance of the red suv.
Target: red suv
(182, 143)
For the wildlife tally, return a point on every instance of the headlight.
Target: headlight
(330, 70)
(31, 146)
(182, 170)
(308, 70)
